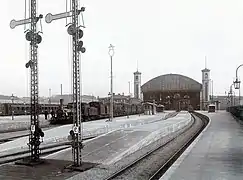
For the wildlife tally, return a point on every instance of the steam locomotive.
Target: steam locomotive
(95, 111)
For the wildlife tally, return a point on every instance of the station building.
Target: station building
(176, 91)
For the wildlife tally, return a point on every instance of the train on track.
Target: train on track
(94, 111)
(6, 109)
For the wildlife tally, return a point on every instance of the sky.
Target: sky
(163, 36)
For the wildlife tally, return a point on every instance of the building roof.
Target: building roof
(171, 82)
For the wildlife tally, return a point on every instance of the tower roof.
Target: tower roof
(137, 72)
(205, 70)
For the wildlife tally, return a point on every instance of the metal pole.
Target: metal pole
(12, 107)
(212, 90)
(129, 88)
(231, 93)
(34, 38)
(111, 53)
(236, 73)
(74, 29)
(61, 89)
(111, 91)
(239, 97)
(129, 96)
(24, 108)
(50, 96)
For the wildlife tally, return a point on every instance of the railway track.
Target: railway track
(159, 173)
(138, 164)
(45, 150)
(24, 154)
(12, 130)
(10, 136)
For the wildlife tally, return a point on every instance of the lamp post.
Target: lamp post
(12, 98)
(129, 98)
(237, 82)
(187, 98)
(177, 100)
(50, 96)
(24, 108)
(212, 91)
(111, 53)
(168, 101)
(231, 94)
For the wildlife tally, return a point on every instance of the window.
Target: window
(136, 78)
(206, 75)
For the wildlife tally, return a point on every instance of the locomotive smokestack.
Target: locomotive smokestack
(61, 103)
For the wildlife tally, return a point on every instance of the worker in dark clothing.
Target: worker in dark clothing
(46, 114)
(52, 114)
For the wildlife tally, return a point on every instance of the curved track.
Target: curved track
(176, 155)
(198, 125)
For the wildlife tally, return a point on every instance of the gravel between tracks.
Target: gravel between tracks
(101, 172)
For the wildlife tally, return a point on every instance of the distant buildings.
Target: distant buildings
(67, 98)
(46, 100)
(118, 98)
(225, 101)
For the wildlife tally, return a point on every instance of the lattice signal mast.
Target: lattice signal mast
(77, 46)
(34, 37)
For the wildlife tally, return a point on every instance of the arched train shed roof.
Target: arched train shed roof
(171, 82)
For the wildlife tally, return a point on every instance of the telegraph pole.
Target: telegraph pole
(77, 46)
(33, 36)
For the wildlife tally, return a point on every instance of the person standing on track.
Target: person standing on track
(46, 114)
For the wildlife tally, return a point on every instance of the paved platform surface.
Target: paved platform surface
(91, 128)
(218, 155)
(101, 150)
(109, 147)
(51, 170)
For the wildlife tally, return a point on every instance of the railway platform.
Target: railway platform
(111, 147)
(216, 154)
(90, 129)
(103, 150)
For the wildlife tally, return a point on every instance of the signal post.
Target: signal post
(74, 29)
(34, 38)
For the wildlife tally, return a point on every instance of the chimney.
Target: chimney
(61, 103)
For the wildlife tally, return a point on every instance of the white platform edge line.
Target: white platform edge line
(177, 163)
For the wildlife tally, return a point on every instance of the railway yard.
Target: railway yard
(171, 127)
(123, 149)
(167, 145)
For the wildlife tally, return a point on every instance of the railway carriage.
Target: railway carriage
(24, 109)
(211, 108)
